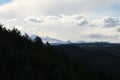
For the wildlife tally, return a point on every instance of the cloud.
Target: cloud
(65, 28)
(34, 19)
(77, 19)
(43, 19)
(63, 19)
(106, 22)
(80, 19)
(101, 36)
(118, 30)
(82, 22)
(52, 18)
(111, 21)
(98, 36)
(53, 7)
(79, 16)
(19, 28)
(13, 20)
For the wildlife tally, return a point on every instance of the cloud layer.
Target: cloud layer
(78, 20)
(24, 8)
(34, 19)
(107, 22)
(74, 27)
(88, 20)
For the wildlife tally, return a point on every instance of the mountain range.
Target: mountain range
(54, 41)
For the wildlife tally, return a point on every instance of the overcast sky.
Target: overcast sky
(75, 20)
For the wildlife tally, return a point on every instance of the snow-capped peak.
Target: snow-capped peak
(51, 40)
(48, 39)
(54, 41)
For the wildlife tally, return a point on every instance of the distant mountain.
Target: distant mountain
(52, 41)
(33, 36)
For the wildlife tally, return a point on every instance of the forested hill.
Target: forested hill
(24, 59)
(101, 56)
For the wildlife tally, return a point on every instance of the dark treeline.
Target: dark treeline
(24, 59)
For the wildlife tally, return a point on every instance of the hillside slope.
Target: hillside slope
(101, 56)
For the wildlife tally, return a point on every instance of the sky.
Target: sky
(4, 2)
(75, 20)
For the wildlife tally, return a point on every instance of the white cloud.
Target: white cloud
(77, 19)
(106, 22)
(53, 18)
(118, 30)
(35, 19)
(13, 20)
(82, 22)
(65, 18)
(97, 36)
(46, 7)
(19, 28)
(61, 18)
(64, 28)
(111, 21)
(79, 16)
(103, 38)
(80, 19)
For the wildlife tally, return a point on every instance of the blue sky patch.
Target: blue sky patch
(4, 1)
(116, 7)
